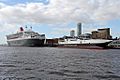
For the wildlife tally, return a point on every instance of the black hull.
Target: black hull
(86, 46)
(27, 42)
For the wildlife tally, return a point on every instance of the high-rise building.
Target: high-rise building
(79, 30)
(72, 33)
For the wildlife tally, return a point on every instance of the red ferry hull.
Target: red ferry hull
(86, 46)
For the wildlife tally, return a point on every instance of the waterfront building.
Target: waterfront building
(72, 33)
(101, 34)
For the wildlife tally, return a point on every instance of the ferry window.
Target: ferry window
(118, 42)
(73, 40)
(42, 35)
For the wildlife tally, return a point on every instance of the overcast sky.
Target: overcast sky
(56, 18)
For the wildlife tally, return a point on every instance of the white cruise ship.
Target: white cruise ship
(26, 38)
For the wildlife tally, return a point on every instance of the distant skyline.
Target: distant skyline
(56, 18)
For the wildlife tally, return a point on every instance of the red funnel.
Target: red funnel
(21, 29)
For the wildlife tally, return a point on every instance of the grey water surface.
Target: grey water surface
(47, 63)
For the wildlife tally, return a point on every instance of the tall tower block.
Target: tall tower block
(79, 29)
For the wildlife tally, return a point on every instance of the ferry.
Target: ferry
(84, 43)
(26, 38)
(115, 44)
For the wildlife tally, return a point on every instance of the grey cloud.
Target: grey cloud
(60, 11)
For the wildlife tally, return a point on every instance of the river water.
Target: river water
(47, 63)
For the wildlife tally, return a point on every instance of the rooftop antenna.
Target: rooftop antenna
(26, 27)
(30, 27)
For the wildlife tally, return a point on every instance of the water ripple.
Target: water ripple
(10, 65)
(37, 63)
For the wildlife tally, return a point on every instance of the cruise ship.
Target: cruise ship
(26, 38)
(84, 43)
